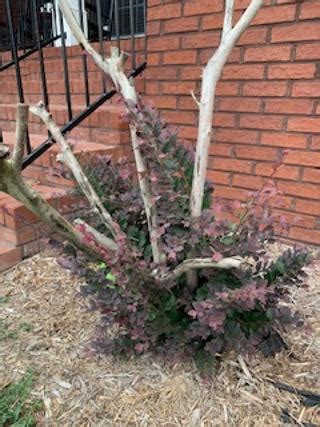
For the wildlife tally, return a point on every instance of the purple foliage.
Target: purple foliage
(234, 309)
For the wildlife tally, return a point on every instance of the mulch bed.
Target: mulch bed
(39, 303)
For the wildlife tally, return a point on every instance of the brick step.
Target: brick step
(53, 55)
(104, 126)
(9, 255)
(15, 216)
(56, 90)
(108, 116)
(106, 137)
(54, 86)
(93, 75)
(20, 230)
(46, 170)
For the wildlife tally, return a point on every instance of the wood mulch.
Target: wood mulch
(51, 329)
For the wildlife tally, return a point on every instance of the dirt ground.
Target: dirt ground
(39, 302)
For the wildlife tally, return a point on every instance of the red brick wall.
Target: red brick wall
(268, 98)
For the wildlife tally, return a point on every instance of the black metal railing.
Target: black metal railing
(28, 33)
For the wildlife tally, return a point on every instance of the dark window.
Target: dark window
(108, 17)
(124, 17)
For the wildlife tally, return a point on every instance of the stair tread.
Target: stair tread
(49, 192)
(10, 255)
(110, 108)
(78, 145)
(6, 247)
(14, 215)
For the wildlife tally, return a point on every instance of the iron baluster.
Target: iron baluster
(29, 52)
(145, 11)
(65, 66)
(15, 59)
(84, 57)
(133, 40)
(110, 19)
(14, 51)
(77, 120)
(40, 54)
(116, 21)
(100, 35)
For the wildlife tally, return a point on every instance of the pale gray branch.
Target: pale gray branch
(4, 151)
(114, 67)
(245, 20)
(211, 76)
(101, 239)
(200, 263)
(21, 134)
(228, 17)
(73, 164)
(13, 183)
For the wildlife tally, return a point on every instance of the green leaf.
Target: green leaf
(142, 240)
(102, 265)
(228, 240)
(153, 314)
(111, 277)
(280, 267)
(170, 303)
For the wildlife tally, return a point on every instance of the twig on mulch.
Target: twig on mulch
(310, 398)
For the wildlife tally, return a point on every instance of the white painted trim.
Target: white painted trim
(71, 40)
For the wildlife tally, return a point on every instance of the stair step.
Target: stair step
(106, 117)
(47, 171)
(15, 215)
(26, 234)
(9, 256)
(104, 132)
(74, 52)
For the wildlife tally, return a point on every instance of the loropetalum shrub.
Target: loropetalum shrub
(145, 307)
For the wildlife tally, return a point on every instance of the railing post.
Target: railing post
(100, 35)
(14, 53)
(40, 53)
(116, 21)
(84, 57)
(65, 66)
(133, 40)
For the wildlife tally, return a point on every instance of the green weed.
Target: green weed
(17, 408)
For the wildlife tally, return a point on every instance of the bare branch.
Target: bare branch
(211, 75)
(79, 35)
(12, 182)
(200, 263)
(228, 17)
(195, 98)
(113, 66)
(146, 196)
(188, 265)
(246, 19)
(21, 134)
(99, 238)
(72, 163)
(4, 151)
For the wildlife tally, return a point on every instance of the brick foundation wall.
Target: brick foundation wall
(268, 97)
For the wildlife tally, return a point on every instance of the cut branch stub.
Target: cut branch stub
(4, 151)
